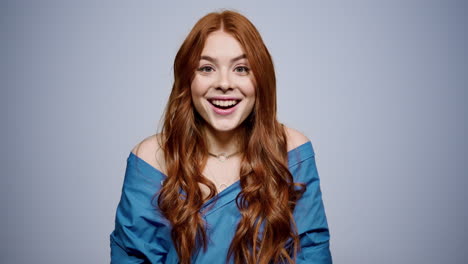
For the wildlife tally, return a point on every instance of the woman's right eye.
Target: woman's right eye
(205, 69)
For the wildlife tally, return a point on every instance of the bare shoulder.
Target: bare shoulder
(149, 150)
(294, 138)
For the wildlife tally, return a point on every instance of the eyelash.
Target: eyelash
(204, 67)
(246, 70)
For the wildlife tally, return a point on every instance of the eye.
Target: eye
(206, 69)
(242, 69)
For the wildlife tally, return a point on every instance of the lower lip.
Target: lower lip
(220, 111)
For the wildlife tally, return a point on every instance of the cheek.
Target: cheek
(248, 87)
(250, 94)
(197, 93)
(250, 91)
(196, 88)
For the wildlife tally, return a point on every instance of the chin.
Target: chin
(224, 127)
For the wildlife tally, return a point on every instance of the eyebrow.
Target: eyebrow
(208, 58)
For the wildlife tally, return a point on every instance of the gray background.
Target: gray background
(380, 87)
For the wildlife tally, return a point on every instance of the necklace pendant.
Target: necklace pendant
(222, 157)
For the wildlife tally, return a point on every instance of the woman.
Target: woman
(224, 182)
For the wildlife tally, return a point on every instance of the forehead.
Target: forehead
(221, 45)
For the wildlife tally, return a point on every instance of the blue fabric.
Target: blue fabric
(142, 234)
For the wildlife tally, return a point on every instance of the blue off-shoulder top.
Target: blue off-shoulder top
(142, 234)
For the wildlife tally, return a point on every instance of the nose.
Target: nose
(224, 82)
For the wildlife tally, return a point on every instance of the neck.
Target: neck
(223, 141)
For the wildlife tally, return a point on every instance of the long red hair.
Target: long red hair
(268, 195)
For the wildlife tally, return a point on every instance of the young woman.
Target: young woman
(224, 181)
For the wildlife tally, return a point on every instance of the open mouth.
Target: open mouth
(224, 104)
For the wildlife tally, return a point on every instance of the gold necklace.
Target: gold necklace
(222, 156)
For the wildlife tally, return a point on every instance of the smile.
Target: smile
(224, 104)
(224, 107)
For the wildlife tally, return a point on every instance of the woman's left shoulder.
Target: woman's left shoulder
(294, 138)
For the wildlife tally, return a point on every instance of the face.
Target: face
(223, 89)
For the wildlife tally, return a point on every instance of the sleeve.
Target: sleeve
(140, 234)
(309, 214)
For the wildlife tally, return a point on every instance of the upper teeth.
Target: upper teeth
(224, 102)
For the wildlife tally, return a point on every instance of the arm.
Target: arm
(310, 215)
(119, 255)
(140, 234)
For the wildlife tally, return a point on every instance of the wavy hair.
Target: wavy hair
(266, 232)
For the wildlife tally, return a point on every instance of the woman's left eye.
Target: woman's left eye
(242, 69)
